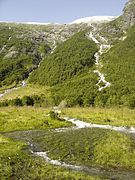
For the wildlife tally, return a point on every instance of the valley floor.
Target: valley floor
(102, 153)
(108, 116)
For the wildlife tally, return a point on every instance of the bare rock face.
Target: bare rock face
(129, 13)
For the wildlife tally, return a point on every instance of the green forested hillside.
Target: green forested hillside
(70, 59)
(119, 65)
(19, 53)
(80, 90)
(69, 70)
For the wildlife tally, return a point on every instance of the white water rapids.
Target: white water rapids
(103, 47)
(54, 46)
(57, 162)
(78, 125)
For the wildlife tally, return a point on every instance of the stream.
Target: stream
(23, 84)
(27, 136)
(36, 150)
(103, 47)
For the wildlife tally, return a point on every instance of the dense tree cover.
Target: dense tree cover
(19, 54)
(69, 70)
(71, 58)
(33, 100)
(81, 90)
(119, 65)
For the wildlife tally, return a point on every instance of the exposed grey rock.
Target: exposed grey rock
(129, 14)
(10, 54)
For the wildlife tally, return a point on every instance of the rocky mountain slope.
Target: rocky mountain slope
(90, 61)
(129, 14)
(23, 46)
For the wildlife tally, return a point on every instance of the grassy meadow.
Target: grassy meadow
(91, 147)
(28, 90)
(27, 118)
(112, 116)
(99, 148)
(16, 163)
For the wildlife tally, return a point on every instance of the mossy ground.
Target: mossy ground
(91, 147)
(86, 147)
(15, 164)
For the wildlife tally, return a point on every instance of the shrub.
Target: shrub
(54, 115)
(28, 101)
(16, 102)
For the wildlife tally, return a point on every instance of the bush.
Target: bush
(4, 103)
(132, 102)
(28, 101)
(54, 115)
(16, 102)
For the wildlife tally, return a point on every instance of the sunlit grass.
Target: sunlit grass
(9, 147)
(26, 118)
(3, 88)
(15, 163)
(112, 116)
(28, 90)
(91, 147)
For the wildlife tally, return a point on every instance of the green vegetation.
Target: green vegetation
(28, 90)
(65, 75)
(70, 59)
(15, 164)
(112, 116)
(5, 87)
(73, 83)
(34, 100)
(70, 69)
(30, 95)
(20, 53)
(26, 118)
(90, 147)
(119, 65)
(54, 115)
(80, 91)
(14, 161)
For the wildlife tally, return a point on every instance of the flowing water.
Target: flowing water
(35, 148)
(23, 84)
(103, 47)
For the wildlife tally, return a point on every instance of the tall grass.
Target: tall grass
(26, 118)
(112, 116)
(28, 90)
(15, 164)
